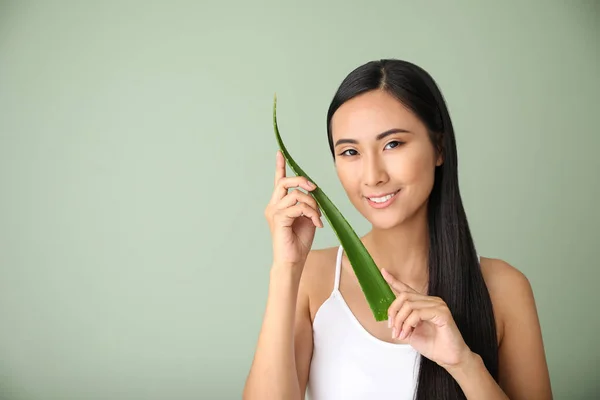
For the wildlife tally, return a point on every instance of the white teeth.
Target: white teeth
(382, 199)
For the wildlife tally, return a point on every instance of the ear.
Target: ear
(440, 158)
(440, 149)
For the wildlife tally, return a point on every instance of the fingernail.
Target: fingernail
(401, 336)
(310, 184)
(394, 333)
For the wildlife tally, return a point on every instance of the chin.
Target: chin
(386, 223)
(385, 220)
(392, 217)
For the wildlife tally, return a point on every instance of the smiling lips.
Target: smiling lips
(382, 201)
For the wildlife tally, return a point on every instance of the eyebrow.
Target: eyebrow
(378, 137)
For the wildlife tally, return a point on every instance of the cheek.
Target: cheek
(347, 177)
(414, 168)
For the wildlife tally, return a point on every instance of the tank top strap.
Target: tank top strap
(338, 269)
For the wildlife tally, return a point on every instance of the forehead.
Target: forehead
(365, 116)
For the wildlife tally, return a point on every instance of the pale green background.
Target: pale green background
(137, 156)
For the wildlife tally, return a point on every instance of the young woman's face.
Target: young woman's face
(372, 160)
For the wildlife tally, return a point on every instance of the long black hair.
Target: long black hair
(454, 271)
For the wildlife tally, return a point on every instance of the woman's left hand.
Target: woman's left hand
(427, 324)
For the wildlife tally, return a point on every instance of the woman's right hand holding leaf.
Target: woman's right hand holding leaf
(293, 217)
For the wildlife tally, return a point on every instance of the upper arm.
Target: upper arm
(523, 371)
(303, 338)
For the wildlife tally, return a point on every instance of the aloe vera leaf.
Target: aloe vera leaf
(378, 293)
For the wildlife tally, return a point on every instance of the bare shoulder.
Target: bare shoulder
(509, 289)
(501, 276)
(523, 370)
(318, 276)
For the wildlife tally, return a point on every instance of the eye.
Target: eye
(344, 153)
(396, 142)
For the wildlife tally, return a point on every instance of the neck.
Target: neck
(403, 250)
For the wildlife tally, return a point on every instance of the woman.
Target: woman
(460, 327)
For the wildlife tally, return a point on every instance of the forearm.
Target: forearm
(476, 381)
(273, 373)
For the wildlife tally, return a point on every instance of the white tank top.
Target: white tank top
(349, 363)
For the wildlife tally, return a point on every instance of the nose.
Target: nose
(374, 172)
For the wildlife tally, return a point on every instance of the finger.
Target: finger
(285, 183)
(291, 199)
(399, 302)
(411, 322)
(407, 329)
(395, 284)
(280, 167)
(407, 308)
(310, 213)
(435, 315)
(287, 216)
(296, 196)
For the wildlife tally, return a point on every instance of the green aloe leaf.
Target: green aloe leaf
(378, 293)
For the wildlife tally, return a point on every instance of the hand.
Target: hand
(427, 323)
(293, 217)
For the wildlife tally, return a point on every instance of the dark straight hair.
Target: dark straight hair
(454, 271)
